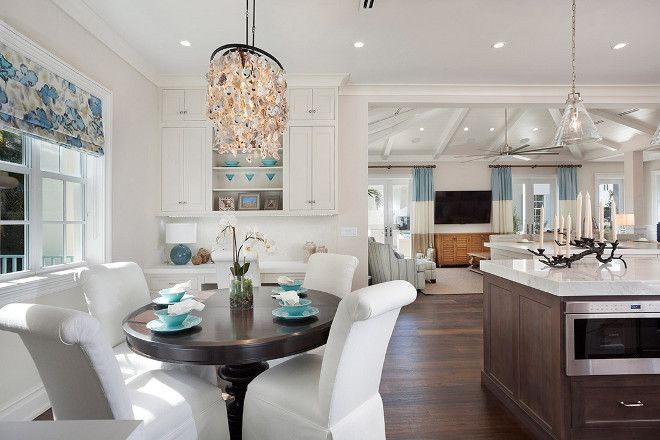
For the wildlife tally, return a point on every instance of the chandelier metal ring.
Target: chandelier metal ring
(246, 47)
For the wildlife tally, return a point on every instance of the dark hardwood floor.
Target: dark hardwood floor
(431, 384)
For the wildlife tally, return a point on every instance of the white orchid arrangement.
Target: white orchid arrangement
(228, 226)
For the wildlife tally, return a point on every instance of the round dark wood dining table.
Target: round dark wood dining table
(241, 341)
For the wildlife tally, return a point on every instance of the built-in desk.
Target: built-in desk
(163, 276)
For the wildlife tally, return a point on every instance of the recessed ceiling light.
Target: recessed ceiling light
(498, 45)
(535, 129)
(358, 44)
(421, 128)
(491, 129)
(619, 46)
(184, 43)
(465, 129)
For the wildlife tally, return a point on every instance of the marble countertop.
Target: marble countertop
(627, 247)
(586, 277)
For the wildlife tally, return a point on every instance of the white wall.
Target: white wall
(135, 171)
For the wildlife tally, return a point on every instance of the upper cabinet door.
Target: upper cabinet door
(173, 105)
(195, 105)
(300, 156)
(194, 163)
(172, 176)
(323, 102)
(323, 168)
(300, 103)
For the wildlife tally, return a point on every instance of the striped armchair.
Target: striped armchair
(385, 266)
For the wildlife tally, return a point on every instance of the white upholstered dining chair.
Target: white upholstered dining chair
(223, 261)
(83, 381)
(336, 395)
(113, 291)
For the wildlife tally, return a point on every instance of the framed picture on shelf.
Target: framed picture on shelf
(272, 202)
(248, 201)
(226, 204)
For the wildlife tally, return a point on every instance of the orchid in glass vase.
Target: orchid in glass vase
(240, 283)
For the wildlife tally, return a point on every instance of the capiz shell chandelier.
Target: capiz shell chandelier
(246, 99)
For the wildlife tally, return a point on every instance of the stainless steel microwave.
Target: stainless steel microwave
(612, 337)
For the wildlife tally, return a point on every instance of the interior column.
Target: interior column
(633, 175)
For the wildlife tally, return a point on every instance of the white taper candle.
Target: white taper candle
(568, 236)
(601, 222)
(613, 221)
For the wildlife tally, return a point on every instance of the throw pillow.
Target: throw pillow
(398, 255)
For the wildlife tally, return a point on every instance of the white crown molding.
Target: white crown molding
(614, 95)
(329, 80)
(181, 81)
(96, 26)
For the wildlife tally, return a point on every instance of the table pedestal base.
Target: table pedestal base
(239, 376)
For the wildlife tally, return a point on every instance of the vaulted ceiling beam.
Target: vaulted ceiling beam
(626, 122)
(455, 121)
(388, 147)
(514, 117)
(401, 126)
(391, 120)
(556, 116)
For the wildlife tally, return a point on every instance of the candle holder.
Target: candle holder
(591, 248)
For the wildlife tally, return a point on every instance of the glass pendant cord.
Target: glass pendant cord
(246, 97)
(576, 126)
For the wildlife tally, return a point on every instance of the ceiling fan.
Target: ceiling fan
(506, 151)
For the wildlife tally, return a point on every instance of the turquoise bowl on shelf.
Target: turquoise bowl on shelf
(232, 163)
(172, 320)
(269, 163)
(295, 286)
(270, 176)
(297, 309)
(249, 176)
(229, 176)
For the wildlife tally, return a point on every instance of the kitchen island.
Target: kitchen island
(530, 338)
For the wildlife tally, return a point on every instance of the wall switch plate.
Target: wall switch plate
(349, 232)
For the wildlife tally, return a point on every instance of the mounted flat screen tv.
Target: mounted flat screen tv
(462, 207)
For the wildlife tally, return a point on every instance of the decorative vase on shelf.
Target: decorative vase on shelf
(309, 248)
(240, 292)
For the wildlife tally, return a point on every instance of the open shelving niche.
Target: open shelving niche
(239, 184)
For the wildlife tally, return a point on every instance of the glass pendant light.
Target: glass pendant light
(576, 126)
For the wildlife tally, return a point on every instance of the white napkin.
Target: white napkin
(290, 298)
(285, 280)
(181, 287)
(184, 307)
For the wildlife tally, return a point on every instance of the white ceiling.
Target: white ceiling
(411, 43)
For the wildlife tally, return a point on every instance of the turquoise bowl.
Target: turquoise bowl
(269, 163)
(232, 163)
(172, 320)
(171, 297)
(298, 309)
(249, 176)
(295, 286)
(229, 176)
(270, 176)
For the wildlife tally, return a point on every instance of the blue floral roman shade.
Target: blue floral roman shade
(41, 103)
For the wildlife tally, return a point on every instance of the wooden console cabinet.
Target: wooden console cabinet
(453, 249)
(525, 367)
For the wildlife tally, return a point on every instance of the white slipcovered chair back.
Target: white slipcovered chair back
(74, 360)
(112, 291)
(356, 347)
(331, 273)
(223, 262)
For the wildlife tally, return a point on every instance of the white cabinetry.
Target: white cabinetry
(312, 156)
(306, 103)
(184, 105)
(184, 166)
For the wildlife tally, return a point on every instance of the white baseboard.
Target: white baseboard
(26, 407)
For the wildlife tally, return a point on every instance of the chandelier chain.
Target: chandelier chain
(254, 12)
(573, 49)
(247, 21)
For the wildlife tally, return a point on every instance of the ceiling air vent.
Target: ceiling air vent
(627, 112)
(366, 4)
(600, 121)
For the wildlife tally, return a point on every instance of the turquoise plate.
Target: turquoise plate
(279, 290)
(158, 326)
(280, 313)
(163, 302)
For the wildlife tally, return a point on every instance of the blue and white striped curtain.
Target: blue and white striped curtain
(567, 182)
(422, 209)
(39, 102)
(502, 212)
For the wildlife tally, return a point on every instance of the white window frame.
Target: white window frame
(528, 204)
(31, 283)
(602, 178)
